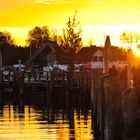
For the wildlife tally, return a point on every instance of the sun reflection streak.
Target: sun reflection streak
(82, 127)
(28, 123)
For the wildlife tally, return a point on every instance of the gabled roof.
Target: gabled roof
(118, 53)
(51, 45)
(86, 53)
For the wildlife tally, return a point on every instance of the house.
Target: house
(90, 57)
(94, 57)
(49, 54)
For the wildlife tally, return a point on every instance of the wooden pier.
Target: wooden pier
(116, 109)
(40, 80)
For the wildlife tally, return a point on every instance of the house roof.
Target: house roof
(86, 53)
(113, 52)
(50, 45)
(118, 53)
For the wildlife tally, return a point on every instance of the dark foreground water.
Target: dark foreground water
(45, 118)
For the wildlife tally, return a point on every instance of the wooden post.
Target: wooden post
(129, 69)
(8, 76)
(0, 59)
(1, 79)
(107, 55)
(29, 77)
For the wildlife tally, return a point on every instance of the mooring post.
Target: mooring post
(1, 79)
(103, 102)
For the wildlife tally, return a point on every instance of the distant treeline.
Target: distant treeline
(70, 42)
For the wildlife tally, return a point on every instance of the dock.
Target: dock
(35, 80)
(116, 108)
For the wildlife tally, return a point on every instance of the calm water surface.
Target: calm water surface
(38, 118)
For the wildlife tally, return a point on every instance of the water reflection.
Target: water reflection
(43, 122)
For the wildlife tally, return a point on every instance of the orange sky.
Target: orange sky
(97, 17)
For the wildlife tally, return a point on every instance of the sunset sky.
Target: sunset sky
(97, 17)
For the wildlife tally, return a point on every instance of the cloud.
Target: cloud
(47, 2)
(98, 1)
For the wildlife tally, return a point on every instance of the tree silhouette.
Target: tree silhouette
(6, 40)
(54, 35)
(71, 40)
(130, 38)
(37, 35)
(90, 42)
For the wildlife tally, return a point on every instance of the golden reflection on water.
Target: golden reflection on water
(82, 127)
(27, 124)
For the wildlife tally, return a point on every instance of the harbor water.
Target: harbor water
(55, 117)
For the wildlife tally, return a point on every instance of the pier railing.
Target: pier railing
(50, 79)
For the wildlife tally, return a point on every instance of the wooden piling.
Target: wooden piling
(116, 111)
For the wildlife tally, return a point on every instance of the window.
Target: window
(100, 59)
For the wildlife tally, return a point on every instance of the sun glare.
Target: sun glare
(137, 53)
